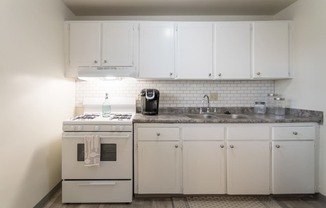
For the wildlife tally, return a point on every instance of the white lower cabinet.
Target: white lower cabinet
(158, 161)
(248, 159)
(293, 160)
(203, 160)
(235, 159)
(248, 167)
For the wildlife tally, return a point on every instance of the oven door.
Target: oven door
(116, 156)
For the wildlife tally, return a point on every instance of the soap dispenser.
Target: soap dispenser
(106, 107)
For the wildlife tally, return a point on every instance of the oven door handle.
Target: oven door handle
(115, 137)
(125, 136)
(98, 184)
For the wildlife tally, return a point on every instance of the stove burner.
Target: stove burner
(86, 117)
(121, 116)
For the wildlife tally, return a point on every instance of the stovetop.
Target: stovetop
(112, 117)
(97, 118)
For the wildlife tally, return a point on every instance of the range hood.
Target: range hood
(106, 72)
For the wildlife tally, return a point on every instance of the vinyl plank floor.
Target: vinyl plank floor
(306, 201)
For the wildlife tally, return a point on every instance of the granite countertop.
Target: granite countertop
(245, 115)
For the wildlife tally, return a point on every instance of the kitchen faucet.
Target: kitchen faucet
(203, 100)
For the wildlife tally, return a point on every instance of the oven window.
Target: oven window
(108, 152)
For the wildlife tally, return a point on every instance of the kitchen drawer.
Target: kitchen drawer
(97, 191)
(166, 134)
(248, 133)
(202, 132)
(293, 133)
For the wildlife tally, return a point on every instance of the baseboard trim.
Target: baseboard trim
(45, 199)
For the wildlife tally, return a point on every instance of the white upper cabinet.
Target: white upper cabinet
(271, 50)
(84, 44)
(182, 50)
(194, 58)
(156, 50)
(118, 44)
(101, 44)
(233, 50)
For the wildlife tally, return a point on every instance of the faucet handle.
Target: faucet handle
(200, 110)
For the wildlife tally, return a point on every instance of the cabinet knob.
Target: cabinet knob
(231, 146)
(158, 134)
(258, 73)
(277, 146)
(95, 62)
(222, 146)
(105, 61)
(295, 133)
(219, 74)
(176, 146)
(210, 74)
(171, 74)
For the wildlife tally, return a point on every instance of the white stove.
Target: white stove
(111, 180)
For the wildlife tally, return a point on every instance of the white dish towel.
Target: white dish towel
(92, 145)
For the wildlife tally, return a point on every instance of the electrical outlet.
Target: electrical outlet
(213, 96)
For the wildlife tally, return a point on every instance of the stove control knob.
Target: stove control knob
(114, 128)
(79, 128)
(96, 128)
(121, 128)
(72, 128)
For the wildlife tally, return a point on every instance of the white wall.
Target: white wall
(34, 99)
(180, 18)
(307, 89)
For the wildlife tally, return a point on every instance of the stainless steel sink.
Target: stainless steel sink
(201, 116)
(216, 116)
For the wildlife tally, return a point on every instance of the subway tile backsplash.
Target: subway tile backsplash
(180, 93)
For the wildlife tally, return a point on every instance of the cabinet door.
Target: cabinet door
(204, 167)
(195, 51)
(293, 166)
(248, 166)
(85, 44)
(156, 50)
(233, 50)
(118, 44)
(159, 167)
(271, 50)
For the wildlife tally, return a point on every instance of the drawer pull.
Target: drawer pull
(231, 146)
(176, 146)
(98, 184)
(277, 146)
(222, 146)
(295, 133)
(158, 134)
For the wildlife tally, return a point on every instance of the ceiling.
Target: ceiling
(175, 7)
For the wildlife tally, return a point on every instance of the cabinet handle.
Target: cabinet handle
(176, 146)
(222, 146)
(295, 133)
(158, 134)
(231, 146)
(219, 74)
(258, 73)
(277, 146)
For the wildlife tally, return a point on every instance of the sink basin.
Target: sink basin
(205, 116)
(216, 116)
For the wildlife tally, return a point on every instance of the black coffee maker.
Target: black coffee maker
(149, 101)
